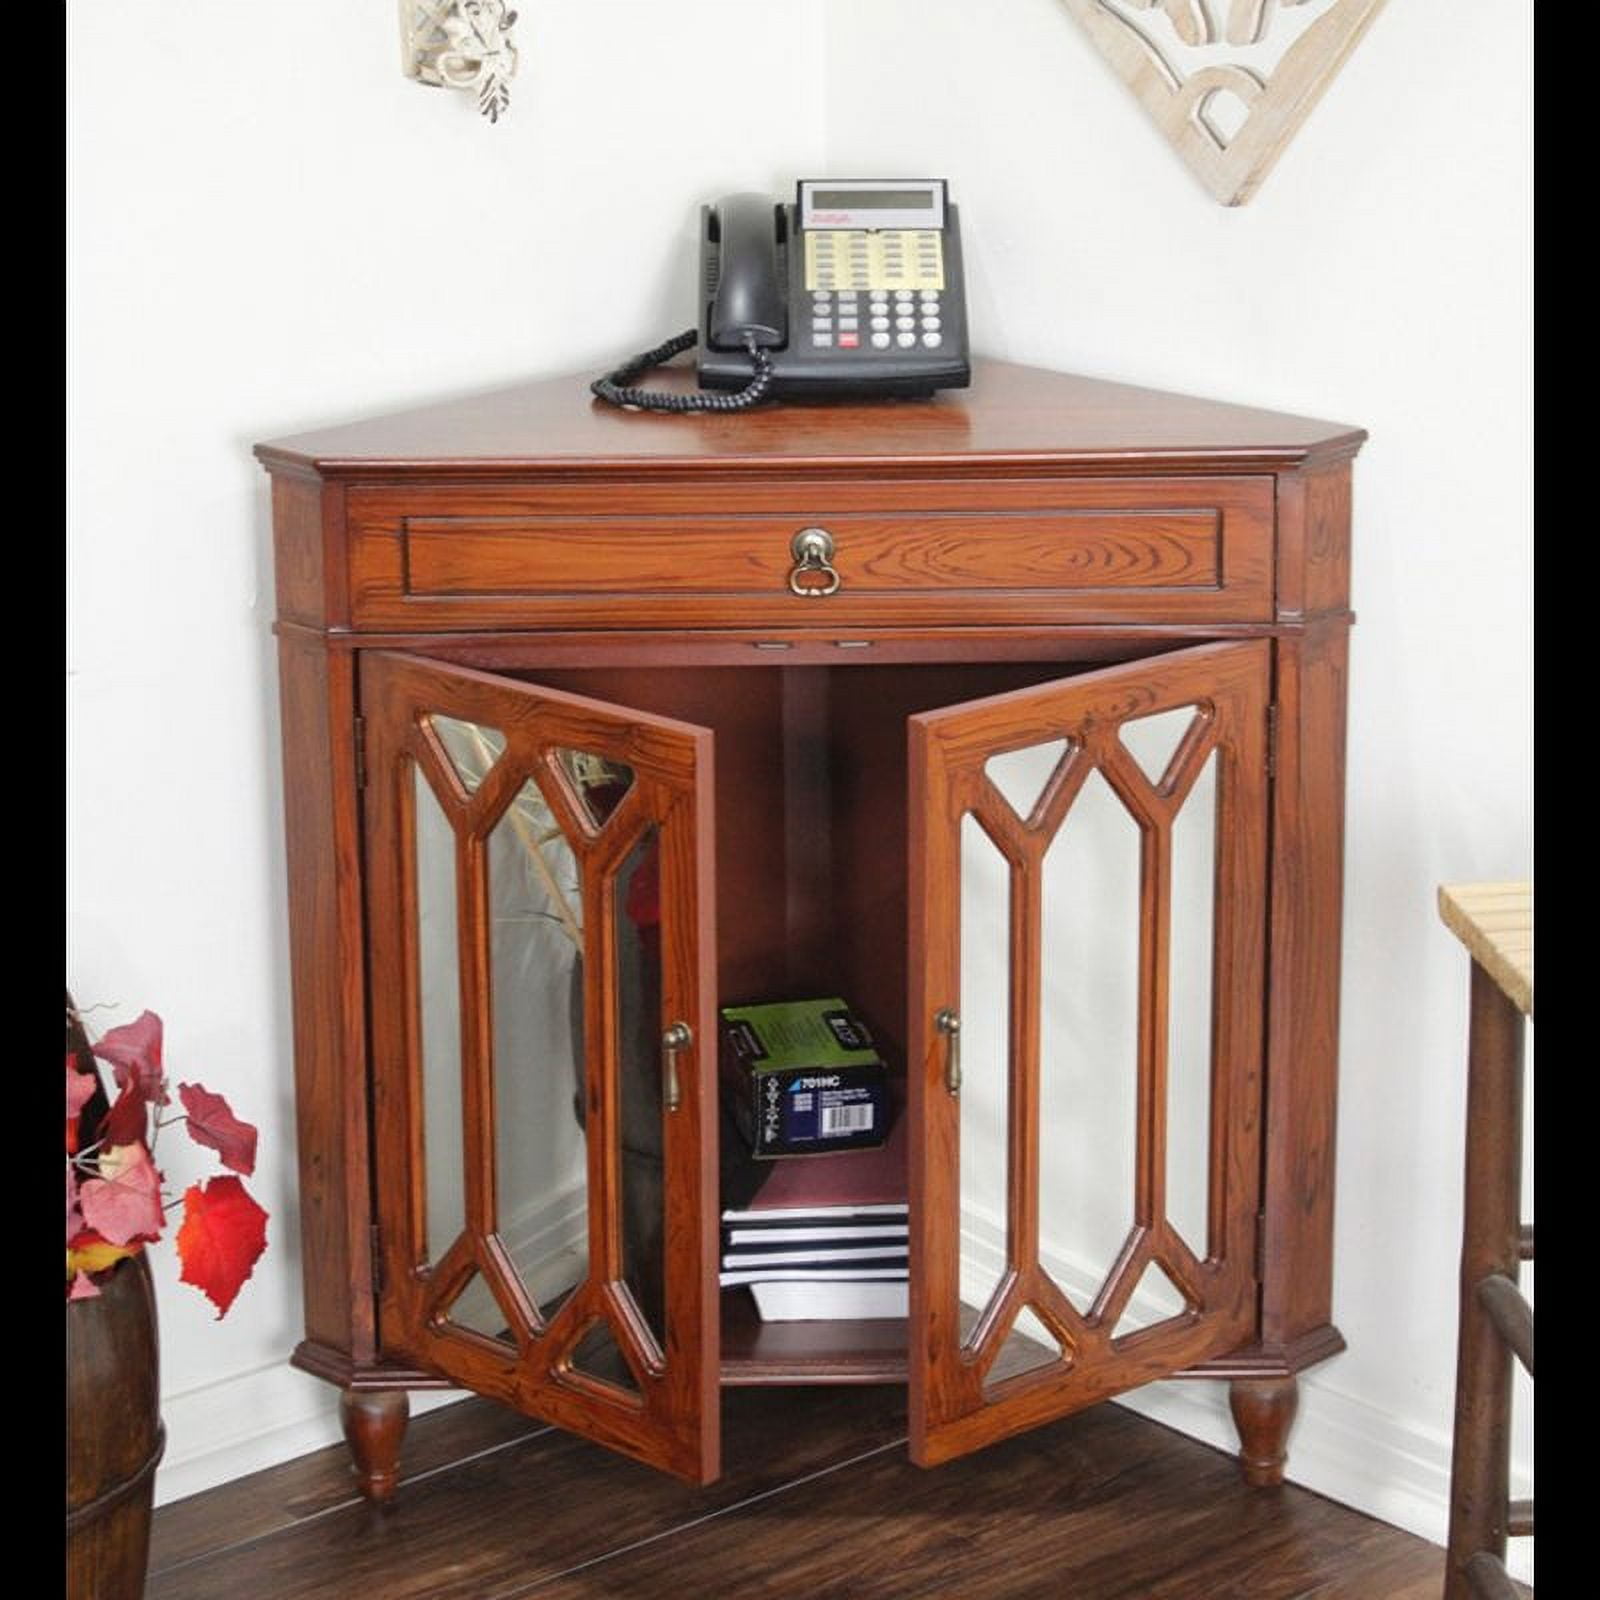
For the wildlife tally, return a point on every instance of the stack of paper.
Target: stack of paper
(825, 1236)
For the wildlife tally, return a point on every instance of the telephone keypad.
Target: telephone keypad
(892, 278)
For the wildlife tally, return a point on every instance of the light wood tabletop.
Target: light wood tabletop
(1495, 922)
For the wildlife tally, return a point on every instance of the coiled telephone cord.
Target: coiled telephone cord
(615, 385)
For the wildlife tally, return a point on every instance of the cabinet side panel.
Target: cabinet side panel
(320, 826)
(307, 539)
(1303, 983)
(1314, 542)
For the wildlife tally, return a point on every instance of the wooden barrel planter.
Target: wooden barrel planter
(114, 1435)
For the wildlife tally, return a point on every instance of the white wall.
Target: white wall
(1382, 277)
(271, 229)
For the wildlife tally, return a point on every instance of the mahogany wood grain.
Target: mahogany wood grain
(670, 1420)
(326, 961)
(1313, 555)
(1263, 1412)
(842, 647)
(955, 1403)
(1051, 551)
(1011, 416)
(756, 1352)
(1303, 983)
(374, 1425)
(1035, 524)
(307, 564)
(745, 713)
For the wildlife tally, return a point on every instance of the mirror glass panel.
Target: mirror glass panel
(536, 930)
(1189, 1013)
(985, 1045)
(438, 980)
(1088, 1059)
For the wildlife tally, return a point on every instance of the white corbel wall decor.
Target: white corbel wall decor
(461, 44)
(1228, 82)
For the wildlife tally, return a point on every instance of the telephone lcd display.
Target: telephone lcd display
(873, 204)
(872, 199)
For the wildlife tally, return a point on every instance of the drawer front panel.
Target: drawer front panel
(1176, 550)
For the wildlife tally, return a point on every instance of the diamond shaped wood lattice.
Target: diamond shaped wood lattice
(1228, 82)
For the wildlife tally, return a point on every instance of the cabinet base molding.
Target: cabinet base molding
(1265, 1362)
(323, 1361)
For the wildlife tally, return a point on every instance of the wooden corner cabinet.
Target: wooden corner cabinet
(1015, 716)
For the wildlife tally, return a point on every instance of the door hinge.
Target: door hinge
(1272, 741)
(376, 1239)
(361, 752)
(1261, 1246)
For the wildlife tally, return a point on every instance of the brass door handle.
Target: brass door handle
(813, 576)
(949, 1024)
(678, 1037)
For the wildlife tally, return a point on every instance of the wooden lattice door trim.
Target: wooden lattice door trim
(660, 1403)
(959, 1399)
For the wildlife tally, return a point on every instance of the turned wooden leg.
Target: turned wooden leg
(374, 1424)
(1263, 1411)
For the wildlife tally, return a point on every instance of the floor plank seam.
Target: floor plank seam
(694, 1522)
(241, 1545)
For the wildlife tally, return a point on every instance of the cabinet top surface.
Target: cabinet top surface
(1011, 416)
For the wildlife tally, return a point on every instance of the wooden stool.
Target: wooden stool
(1495, 922)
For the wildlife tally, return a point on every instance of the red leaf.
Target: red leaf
(74, 1212)
(134, 1051)
(212, 1123)
(80, 1088)
(127, 1121)
(127, 1206)
(223, 1234)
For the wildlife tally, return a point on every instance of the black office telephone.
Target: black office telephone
(854, 290)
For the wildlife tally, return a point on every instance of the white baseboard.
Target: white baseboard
(1342, 1447)
(270, 1414)
(241, 1424)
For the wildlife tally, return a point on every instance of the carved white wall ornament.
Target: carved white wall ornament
(461, 44)
(1227, 81)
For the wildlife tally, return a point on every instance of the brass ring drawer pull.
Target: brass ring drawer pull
(813, 577)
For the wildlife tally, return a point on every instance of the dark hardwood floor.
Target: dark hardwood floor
(817, 1500)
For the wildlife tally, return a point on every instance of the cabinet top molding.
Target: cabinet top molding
(1013, 418)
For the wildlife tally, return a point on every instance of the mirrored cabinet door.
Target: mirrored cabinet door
(538, 900)
(1088, 890)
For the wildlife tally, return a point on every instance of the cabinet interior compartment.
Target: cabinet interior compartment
(811, 872)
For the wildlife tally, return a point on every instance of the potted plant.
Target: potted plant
(116, 1207)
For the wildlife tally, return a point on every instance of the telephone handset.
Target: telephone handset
(854, 290)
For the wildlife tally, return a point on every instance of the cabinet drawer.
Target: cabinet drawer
(1008, 551)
